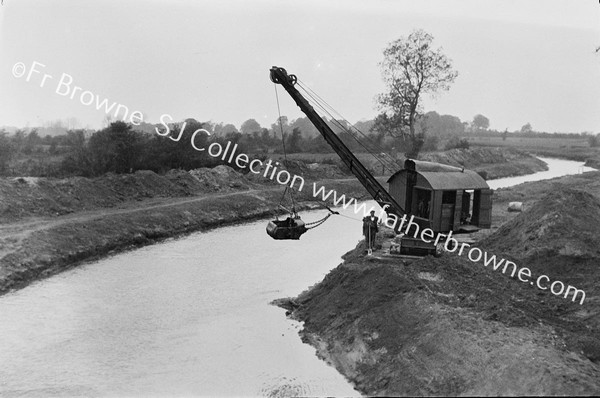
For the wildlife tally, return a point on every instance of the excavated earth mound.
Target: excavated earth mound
(220, 178)
(442, 326)
(564, 222)
(22, 197)
(448, 326)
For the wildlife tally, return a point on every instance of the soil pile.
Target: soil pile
(27, 196)
(308, 171)
(564, 222)
(315, 171)
(116, 212)
(448, 326)
(220, 178)
(441, 327)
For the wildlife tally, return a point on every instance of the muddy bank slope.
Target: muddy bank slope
(494, 162)
(448, 326)
(47, 226)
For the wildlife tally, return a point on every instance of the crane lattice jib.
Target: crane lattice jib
(378, 192)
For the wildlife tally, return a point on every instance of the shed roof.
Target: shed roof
(444, 177)
(422, 165)
(467, 179)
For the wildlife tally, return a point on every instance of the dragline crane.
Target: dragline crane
(437, 197)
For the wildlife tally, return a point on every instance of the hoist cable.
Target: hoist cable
(367, 142)
(284, 152)
(334, 121)
(375, 150)
(352, 127)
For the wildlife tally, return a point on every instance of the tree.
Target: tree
(526, 128)
(223, 129)
(6, 151)
(116, 148)
(305, 125)
(294, 141)
(442, 125)
(456, 142)
(250, 126)
(281, 123)
(317, 144)
(411, 68)
(481, 122)
(78, 159)
(31, 141)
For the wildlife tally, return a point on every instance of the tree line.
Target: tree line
(120, 148)
(411, 68)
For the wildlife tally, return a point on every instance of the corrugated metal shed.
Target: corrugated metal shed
(466, 179)
(444, 177)
(421, 165)
(437, 192)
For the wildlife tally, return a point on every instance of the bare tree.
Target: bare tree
(411, 68)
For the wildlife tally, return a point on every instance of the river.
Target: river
(556, 168)
(188, 316)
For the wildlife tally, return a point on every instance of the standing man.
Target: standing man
(370, 230)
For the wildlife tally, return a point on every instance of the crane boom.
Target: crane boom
(375, 189)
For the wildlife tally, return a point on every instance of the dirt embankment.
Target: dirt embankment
(494, 162)
(595, 163)
(448, 326)
(589, 155)
(48, 225)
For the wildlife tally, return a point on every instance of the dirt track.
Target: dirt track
(39, 246)
(18, 231)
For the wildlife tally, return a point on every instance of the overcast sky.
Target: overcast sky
(518, 61)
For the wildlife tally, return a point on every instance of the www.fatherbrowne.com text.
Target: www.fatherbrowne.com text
(65, 87)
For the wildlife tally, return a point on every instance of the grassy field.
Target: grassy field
(332, 158)
(526, 143)
(566, 148)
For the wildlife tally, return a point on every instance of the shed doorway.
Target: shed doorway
(447, 216)
(422, 206)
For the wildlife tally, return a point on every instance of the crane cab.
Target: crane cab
(450, 198)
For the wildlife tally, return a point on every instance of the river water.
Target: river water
(186, 317)
(556, 168)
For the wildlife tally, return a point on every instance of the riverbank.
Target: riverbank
(492, 162)
(35, 248)
(590, 156)
(49, 225)
(447, 326)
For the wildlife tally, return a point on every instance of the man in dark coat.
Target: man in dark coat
(370, 229)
